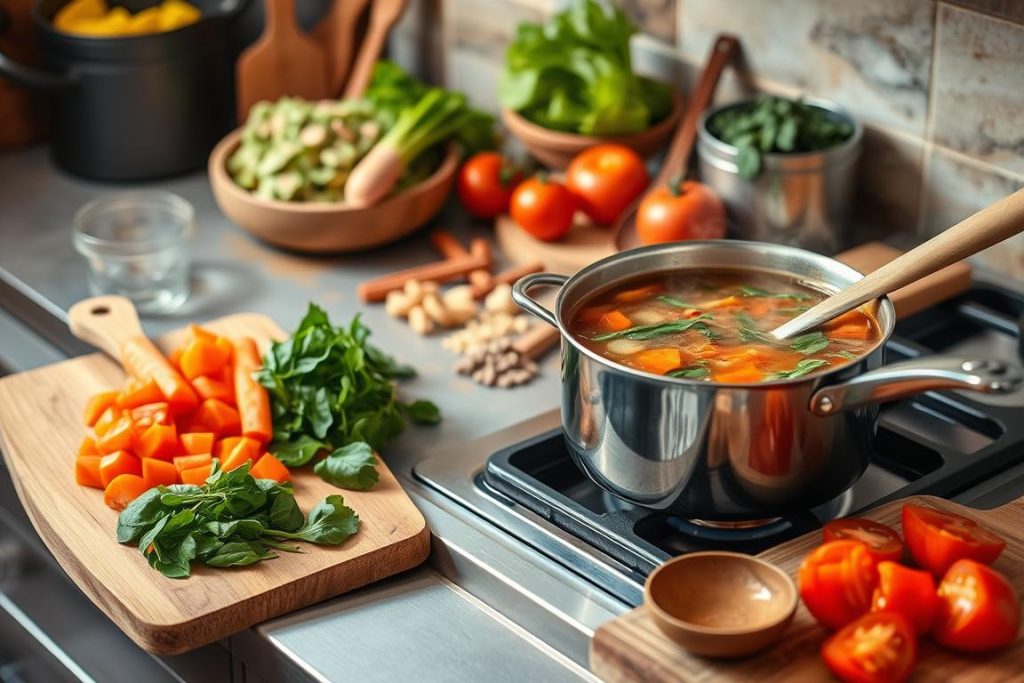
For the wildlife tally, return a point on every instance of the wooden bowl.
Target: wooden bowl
(720, 604)
(329, 226)
(555, 148)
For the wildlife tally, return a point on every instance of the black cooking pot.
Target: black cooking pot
(136, 107)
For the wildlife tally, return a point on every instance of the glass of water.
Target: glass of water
(137, 247)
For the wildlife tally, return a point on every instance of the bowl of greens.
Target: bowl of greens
(786, 169)
(569, 84)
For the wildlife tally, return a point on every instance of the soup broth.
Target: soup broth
(715, 326)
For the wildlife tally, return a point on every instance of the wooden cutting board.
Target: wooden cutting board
(631, 648)
(40, 429)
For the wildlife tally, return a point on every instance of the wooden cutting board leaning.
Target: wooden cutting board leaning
(40, 428)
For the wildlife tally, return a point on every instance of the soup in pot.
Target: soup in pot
(715, 326)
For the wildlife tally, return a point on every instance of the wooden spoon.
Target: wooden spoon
(722, 52)
(106, 322)
(284, 61)
(337, 34)
(383, 15)
(991, 225)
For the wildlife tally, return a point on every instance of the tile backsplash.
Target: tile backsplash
(938, 84)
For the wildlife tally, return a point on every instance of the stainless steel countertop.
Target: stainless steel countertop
(484, 605)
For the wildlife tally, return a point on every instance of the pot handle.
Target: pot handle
(525, 283)
(26, 75)
(907, 378)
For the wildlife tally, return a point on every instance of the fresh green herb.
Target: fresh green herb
(697, 370)
(843, 354)
(673, 301)
(748, 291)
(707, 332)
(776, 125)
(803, 367)
(644, 332)
(232, 520)
(298, 452)
(576, 74)
(795, 310)
(809, 343)
(748, 329)
(350, 467)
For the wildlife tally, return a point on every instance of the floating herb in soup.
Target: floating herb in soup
(715, 326)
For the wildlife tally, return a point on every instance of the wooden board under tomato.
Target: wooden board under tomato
(40, 433)
(632, 648)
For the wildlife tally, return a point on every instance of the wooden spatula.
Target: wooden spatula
(383, 15)
(284, 61)
(337, 34)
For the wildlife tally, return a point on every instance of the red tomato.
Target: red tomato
(606, 179)
(486, 183)
(877, 648)
(686, 211)
(978, 609)
(836, 582)
(543, 208)
(906, 591)
(883, 542)
(937, 539)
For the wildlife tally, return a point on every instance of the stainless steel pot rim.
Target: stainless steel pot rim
(638, 252)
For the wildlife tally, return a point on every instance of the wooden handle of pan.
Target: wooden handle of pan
(383, 15)
(106, 322)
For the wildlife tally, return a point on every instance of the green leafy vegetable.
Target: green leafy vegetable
(809, 343)
(673, 301)
(330, 522)
(748, 329)
(803, 367)
(748, 291)
(848, 355)
(695, 371)
(643, 332)
(575, 74)
(350, 467)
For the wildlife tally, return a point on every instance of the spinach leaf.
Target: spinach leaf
(350, 467)
(748, 291)
(330, 522)
(141, 514)
(695, 371)
(803, 367)
(238, 554)
(673, 301)
(285, 513)
(843, 354)
(643, 332)
(809, 343)
(298, 452)
(423, 412)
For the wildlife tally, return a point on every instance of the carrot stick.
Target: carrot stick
(142, 360)
(251, 398)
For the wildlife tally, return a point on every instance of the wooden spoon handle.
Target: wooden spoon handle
(991, 225)
(280, 18)
(106, 322)
(383, 16)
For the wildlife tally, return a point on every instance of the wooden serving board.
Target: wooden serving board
(631, 648)
(40, 429)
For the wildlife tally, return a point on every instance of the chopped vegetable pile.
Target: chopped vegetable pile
(96, 18)
(575, 74)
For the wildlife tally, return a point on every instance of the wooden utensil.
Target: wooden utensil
(383, 15)
(284, 61)
(631, 648)
(722, 52)
(336, 34)
(40, 429)
(991, 225)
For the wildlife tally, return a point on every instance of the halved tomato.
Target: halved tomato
(836, 582)
(883, 542)
(937, 539)
(906, 591)
(877, 648)
(978, 609)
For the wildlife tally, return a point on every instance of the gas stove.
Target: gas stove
(937, 444)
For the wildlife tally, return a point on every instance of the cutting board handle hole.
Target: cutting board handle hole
(100, 310)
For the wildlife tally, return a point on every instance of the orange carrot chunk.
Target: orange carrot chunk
(142, 360)
(87, 471)
(639, 294)
(196, 476)
(208, 387)
(158, 441)
(269, 467)
(591, 315)
(97, 405)
(119, 437)
(123, 489)
(851, 325)
(614, 321)
(246, 450)
(107, 420)
(218, 417)
(658, 361)
(88, 447)
(188, 462)
(202, 357)
(195, 443)
(224, 447)
(121, 462)
(158, 473)
(138, 393)
(253, 401)
(738, 374)
(199, 332)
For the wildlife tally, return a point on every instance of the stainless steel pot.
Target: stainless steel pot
(740, 451)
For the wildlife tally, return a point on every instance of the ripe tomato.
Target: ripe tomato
(978, 609)
(543, 208)
(486, 183)
(883, 542)
(680, 211)
(877, 648)
(906, 591)
(606, 179)
(836, 582)
(937, 539)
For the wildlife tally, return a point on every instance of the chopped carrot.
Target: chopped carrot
(614, 321)
(269, 467)
(175, 358)
(638, 294)
(202, 357)
(87, 471)
(253, 401)
(194, 443)
(97, 405)
(226, 347)
(158, 473)
(123, 490)
(199, 332)
(246, 450)
(224, 447)
(740, 374)
(107, 420)
(591, 315)
(121, 462)
(658, 361)
(726, 302)
(142, 360)
(196, 475)
(158, 441)
(188, 462)
(121, 436)
(208, 387)
(852, 325)
(150, 414)
(88, 447)
(218, 417)
(138, 393)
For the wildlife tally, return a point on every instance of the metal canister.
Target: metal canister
(801, 199)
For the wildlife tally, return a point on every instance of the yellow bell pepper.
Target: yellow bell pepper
(93, 18)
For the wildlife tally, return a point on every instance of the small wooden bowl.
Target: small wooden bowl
(329, 226)
(720, 604)
(555, 148)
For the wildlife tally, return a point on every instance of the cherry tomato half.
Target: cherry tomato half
(543, 207)
(606, 179)
(883, 542)
(906, 591)
(836, 582)
(680, 211)
(877, 648)
(937, 539)
(978, 609)
(486, 183)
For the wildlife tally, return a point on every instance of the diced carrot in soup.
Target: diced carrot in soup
(639, 294)
(747, 372)
(592, 314)
(658, 361)
(614, 321)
